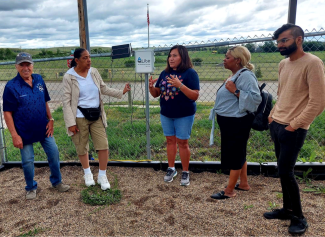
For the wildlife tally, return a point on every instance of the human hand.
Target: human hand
(270, 119)
(289, 128)
(151, 82)
(174, 81)
(49, 128)
(17, 141)
(74, 129)
(230, 86)
(127, 88)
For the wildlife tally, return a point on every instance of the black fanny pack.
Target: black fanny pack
(91, 114)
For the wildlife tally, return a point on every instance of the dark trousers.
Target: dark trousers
(287, 146)
(234, 137)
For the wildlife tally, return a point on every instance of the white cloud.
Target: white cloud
(50, 23)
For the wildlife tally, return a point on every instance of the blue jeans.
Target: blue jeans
(27, 158)
(287, 147)
(179, 127)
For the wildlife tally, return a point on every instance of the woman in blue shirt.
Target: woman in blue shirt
(236, 99)
(178, 88)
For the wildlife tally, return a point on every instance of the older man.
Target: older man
(29, 120)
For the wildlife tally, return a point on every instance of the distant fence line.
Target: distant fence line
(165, 48)
(208, 64)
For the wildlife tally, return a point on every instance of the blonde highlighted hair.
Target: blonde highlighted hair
(244, 54)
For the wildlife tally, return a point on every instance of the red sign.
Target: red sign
(69, 61)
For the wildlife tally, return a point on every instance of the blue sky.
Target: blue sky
(54, 23)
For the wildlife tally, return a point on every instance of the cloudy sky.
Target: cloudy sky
(54, 23)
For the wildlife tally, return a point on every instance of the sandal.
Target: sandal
(240, 189)
(220, 195)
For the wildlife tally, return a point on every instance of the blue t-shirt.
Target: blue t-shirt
(28, 107)
(173, 102)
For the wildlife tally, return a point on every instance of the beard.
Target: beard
(289, 50)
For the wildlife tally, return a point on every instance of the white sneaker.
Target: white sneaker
(104, 184)
(89, 180)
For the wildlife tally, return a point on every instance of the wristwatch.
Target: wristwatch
(236, 92)
(51, 119)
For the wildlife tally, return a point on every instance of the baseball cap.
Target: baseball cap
(24, 57)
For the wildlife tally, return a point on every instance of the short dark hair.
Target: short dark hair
(186, 62)
(296, 31)
(77, 54)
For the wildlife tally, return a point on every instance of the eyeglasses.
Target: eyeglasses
(283, 41)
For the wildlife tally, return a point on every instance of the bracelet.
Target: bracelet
(51, 119)
(180, 86)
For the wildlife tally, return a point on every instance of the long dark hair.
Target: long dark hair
(185, 62)
(77, 54)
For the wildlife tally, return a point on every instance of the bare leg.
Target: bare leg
(84, 160)
(171, 150)
(243, 178)
(184, 153)
(233, 177)
(103, 158)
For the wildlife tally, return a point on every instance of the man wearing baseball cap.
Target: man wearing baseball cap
(29, 120)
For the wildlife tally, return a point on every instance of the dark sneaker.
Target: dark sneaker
(170, 175)
(281, 214)
(185, 181)
(298, 225)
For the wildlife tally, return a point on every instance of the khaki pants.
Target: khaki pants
(97, 132)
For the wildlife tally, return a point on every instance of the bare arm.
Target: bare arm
(16, 139)
(191, 94)
(154, 91)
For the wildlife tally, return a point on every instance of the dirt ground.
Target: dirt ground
(148, 206)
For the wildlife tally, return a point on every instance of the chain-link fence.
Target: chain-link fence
(126, 117)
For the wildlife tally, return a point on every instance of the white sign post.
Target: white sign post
(144, 63)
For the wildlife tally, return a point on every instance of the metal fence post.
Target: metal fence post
(147, 115)
(2, 144)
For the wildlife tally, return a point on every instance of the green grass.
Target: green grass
(116, 70)
(126, 134)
(33, 232)
(93, 195)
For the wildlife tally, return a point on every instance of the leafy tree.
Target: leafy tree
(269, 47)
(197, 61)
(313, 46)
(2, 54)
(250, 47)
(222, 50)
(8, 54)
(258, 72)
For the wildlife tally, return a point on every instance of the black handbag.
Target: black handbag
(91, 114)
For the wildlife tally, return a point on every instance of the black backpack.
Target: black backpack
(261, 122)
(262, 113)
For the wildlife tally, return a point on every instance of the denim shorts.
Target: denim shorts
(179, 127)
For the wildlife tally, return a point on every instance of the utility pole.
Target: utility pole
(292, 11)
(83, 24)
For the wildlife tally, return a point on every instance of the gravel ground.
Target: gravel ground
(148, 206)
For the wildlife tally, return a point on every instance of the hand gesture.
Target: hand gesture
(127, 88)
(230, 86)
(17, 141)
(49, 128)
(174, 81)
(152, 82)
(74, 129)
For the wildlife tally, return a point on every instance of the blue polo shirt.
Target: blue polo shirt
(28, 107)
(173, 102)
